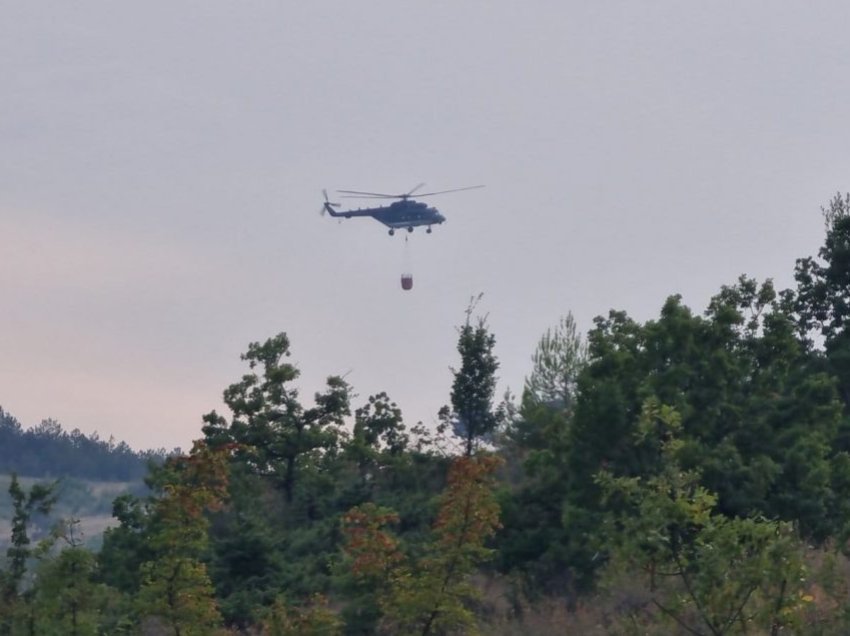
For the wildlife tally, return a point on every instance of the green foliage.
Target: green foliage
(175, 587)
(247, 562)
(278, 446)
(295, 472)
(67, 601)
(378, 429)
(823, 288)
(274, 433)
(557, 361)
(686, 453)
(707, 573)
(471, 415)
(432, 593)
(126, 546)
(534, 540)
(312, 619)
(759, 421)
(177, 590)
(40, 499)
(47, 450)
(822, 299)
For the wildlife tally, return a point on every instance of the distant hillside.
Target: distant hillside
(47, 451)
(89, 502)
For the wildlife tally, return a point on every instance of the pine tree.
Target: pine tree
(471, 415)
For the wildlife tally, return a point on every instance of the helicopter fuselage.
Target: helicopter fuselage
(406, 213)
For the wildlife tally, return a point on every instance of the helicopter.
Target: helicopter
(404, 213)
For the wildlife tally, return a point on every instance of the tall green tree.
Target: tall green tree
(277, 530)
(127, 545)
(822, 299)
(760, 418)
(39, 500)
(823, 296)
(556, 363)
(275, 434)
(533, 540)
(471, 415)
(16, 606)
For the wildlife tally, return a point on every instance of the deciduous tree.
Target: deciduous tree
(175, 586)
(276, 435)
(431, 594)
(705, 572)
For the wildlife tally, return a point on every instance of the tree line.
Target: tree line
(685, 475)
(48, 451)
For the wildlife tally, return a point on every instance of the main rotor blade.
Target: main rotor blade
(359, 194)
(415, 189)
(371, 194)
(430, 194)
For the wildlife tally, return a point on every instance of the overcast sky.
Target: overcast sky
(161, 168)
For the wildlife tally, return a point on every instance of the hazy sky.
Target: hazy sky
(161, 167)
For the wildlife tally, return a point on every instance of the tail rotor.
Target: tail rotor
(324, 209)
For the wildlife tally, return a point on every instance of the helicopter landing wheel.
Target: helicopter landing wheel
(392, 232)
(428, 231)
(410, 229)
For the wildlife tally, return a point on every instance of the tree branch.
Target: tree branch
(681, 623)
(693, 595)
(740, 609)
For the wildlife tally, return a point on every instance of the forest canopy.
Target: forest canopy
(689, 474)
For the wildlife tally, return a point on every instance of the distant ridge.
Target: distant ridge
(48, 451)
